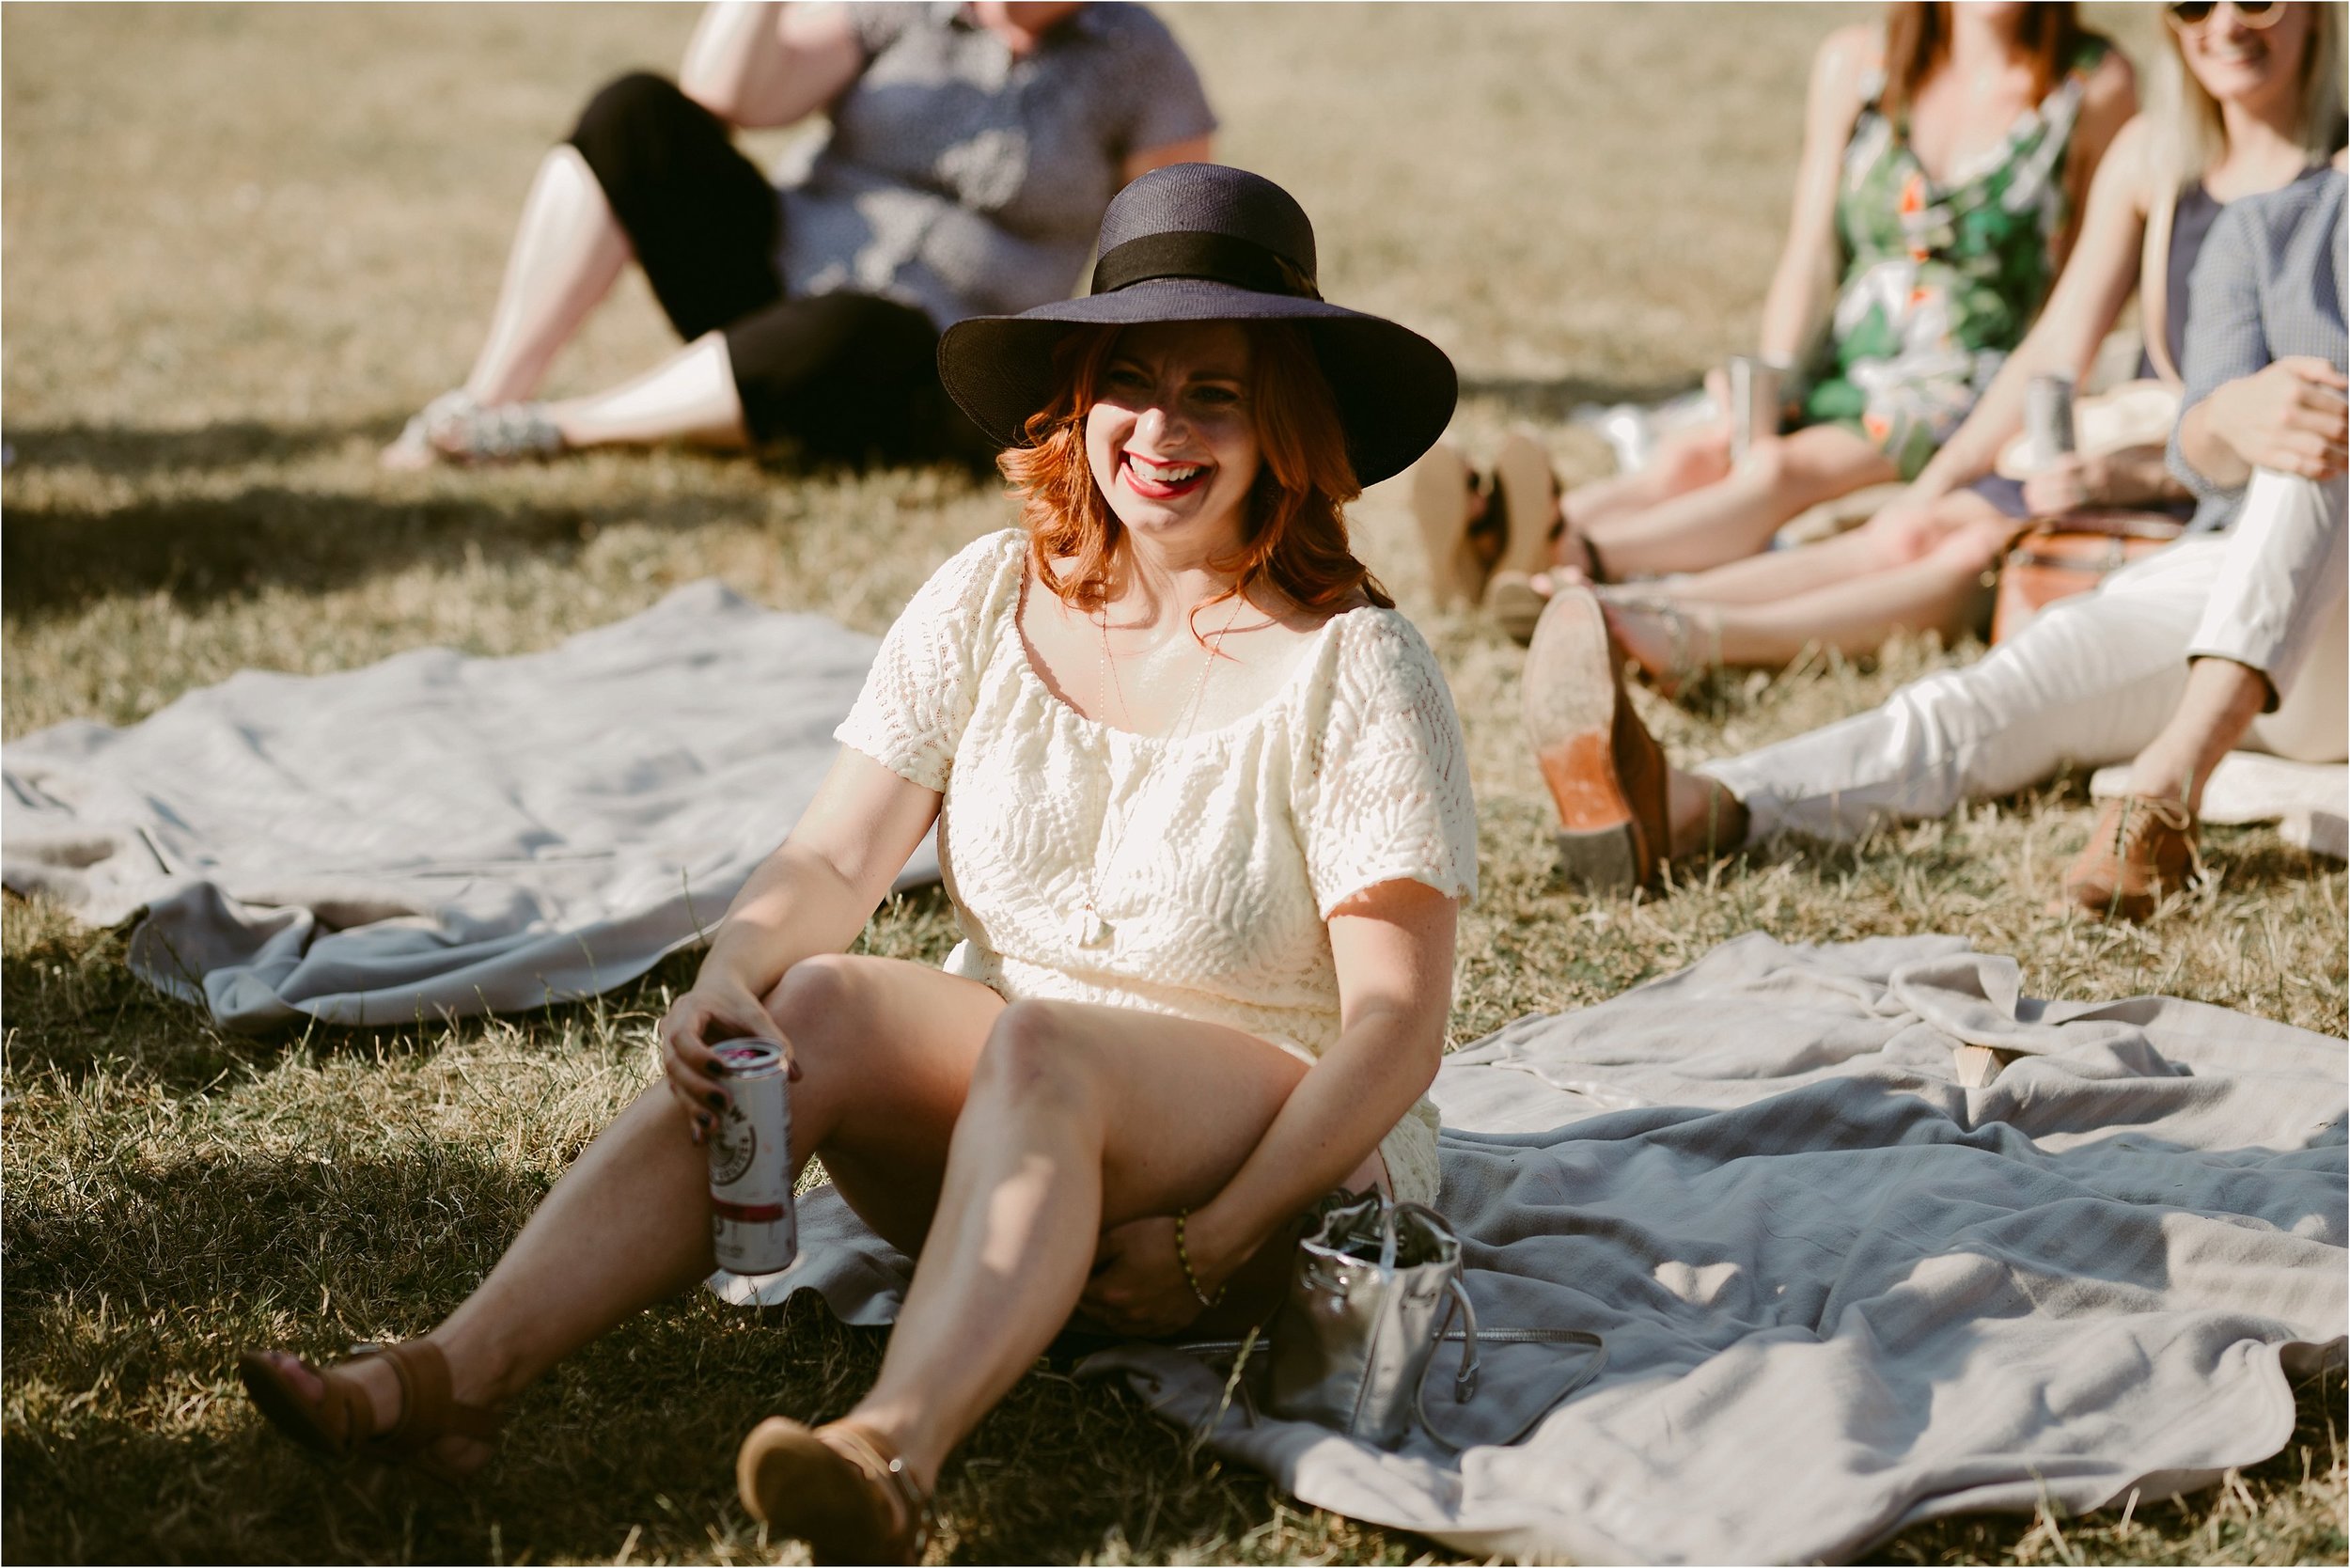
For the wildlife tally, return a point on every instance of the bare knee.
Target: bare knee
(818, 1000)
(1899, 535)
(1036, 1061)
(1694, 457)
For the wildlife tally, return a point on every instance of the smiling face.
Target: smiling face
(2250, 66)
(1171, 437)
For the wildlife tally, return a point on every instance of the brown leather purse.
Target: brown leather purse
(2056, 561)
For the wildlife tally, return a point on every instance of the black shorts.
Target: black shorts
(847, 375)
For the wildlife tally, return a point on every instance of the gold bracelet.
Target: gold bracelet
(1183, 1256)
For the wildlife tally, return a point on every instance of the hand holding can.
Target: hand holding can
(753, 1227)
(1754, 387)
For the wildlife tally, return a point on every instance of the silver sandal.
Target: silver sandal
(461, 429)
(455, 427)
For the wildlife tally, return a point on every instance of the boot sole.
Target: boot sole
(1571, 694)
(790, 1480)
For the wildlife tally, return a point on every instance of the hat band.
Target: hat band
(1216, 257)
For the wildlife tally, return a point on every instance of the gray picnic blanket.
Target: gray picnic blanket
(1840, 1293)
(438, 834)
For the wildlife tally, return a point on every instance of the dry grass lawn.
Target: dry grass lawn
(242, 244)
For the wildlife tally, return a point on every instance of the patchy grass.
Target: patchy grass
(244, 242)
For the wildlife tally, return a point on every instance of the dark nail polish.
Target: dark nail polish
(717, 1100)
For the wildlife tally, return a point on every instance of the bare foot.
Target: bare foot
(370, 1372)
(1648, 636)
(407, 457)
(454, 1453)
(1703, 819)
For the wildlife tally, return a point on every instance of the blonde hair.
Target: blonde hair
(2189, 134)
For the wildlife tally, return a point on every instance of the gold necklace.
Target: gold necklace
(1087, 928)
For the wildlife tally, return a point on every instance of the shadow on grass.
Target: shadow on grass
(1555, 398)
(202, 550)
(77, 1011)
(129, 1293)
(127, 451)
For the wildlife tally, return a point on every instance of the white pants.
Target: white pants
(2091, 679)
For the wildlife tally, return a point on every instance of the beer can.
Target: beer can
(1753, 401)
(2049, 418)
(753, 1229)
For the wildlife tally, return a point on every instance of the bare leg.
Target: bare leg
(2221, 700)
(1854, 615)
(1703, 818)
(1684, 462)
(1044, 1161)
(688, 397)
(568, 248)
(885, 1050)
(1963, 523)
(1736, 515)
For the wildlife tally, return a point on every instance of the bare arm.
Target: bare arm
(1198, 150)
(812, 896)
(1393, 948)
(2108, 103)
(2101, 275)
(1807, 262)
(767, 64)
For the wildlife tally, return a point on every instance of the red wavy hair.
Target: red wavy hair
(1293, 534)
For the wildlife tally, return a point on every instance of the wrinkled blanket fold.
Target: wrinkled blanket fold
(438, 834)
(1841, 1294)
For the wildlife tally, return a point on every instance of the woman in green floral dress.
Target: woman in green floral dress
(1945, 159)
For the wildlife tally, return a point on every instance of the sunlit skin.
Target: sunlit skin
(1690, 510)
(1918, 562)
(2253, 74)
(2258, 67)
(1173, 439)
(1089, 1126)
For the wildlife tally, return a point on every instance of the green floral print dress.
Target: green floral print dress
(1939, 281)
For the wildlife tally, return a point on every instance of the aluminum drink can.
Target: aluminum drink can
(753, 1229)
(1753, 401)
(2048, 417)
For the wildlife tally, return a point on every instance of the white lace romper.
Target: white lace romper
(1227, 849)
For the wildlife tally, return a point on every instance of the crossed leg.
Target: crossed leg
(1736, 514)
(1847, 593)
(996, 1142)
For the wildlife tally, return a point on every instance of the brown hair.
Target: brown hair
(1917, 41)
(1294, 535)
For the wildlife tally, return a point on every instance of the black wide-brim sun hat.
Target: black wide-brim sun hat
(1205, 242)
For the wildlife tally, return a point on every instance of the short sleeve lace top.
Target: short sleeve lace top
(1213, 859)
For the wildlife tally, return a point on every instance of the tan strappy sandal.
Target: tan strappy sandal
(1540, 538)
(339, 1422)
(1454, 508)
(840, 1487)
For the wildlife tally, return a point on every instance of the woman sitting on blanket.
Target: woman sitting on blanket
(1945, 158)
(970, 153)
(2248, 99)
(1204, 811)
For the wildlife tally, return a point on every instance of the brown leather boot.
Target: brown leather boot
(2140, 849)
(1606, 774)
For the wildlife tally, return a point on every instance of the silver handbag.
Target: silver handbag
(1377, 1286)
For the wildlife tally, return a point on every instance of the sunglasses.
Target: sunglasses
(2186, 14)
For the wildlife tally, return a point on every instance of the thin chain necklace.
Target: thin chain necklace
(1087, 928)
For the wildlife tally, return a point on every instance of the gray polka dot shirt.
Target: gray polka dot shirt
(2268, 286)
(963, 181)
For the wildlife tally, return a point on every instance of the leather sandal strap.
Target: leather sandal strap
(873, 1454)
(342, 1417)
(427, 1408)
